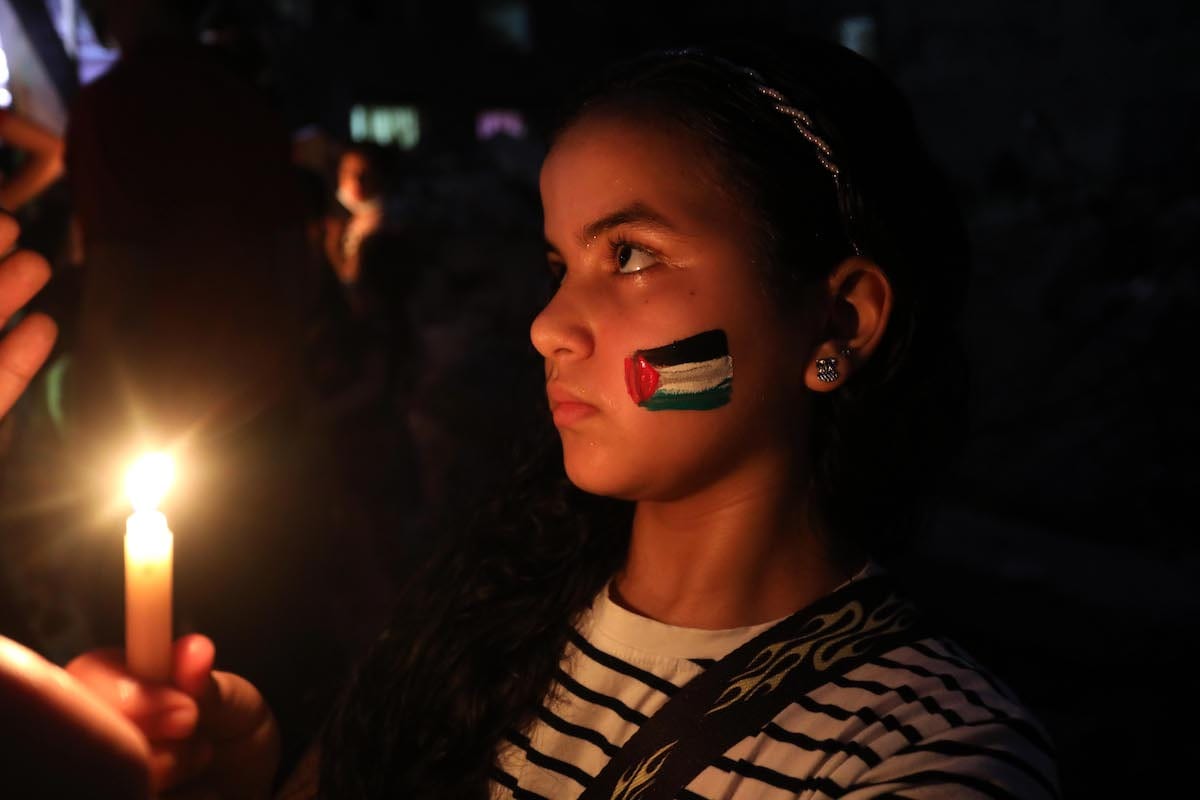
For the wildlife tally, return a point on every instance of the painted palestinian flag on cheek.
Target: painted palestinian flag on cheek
(693, 374)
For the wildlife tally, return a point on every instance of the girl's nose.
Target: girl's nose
(559, 331)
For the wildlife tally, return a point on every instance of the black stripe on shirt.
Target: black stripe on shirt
(684, 794)
(965, 664)
(955, 651)
(596, 698)
(622, 666)
(953, 647)
(805, 742)
(574, 731)
(907, 693)
(538, 758)
(933, 777)
(1030, 732)
(866, 714)
(703, 663)
(509, 782)
(949, 681)
(777, 779)
(959, 749)
(948, 657)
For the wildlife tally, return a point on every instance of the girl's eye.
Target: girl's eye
(631, 258)
(558, 271)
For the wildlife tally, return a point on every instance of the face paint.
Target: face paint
(693, 374)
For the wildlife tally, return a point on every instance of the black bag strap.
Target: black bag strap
(746, 689)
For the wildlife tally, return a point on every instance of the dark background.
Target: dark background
(1063, 553)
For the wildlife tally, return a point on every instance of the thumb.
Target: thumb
(191, 666)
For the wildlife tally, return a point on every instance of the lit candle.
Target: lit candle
(148, 553)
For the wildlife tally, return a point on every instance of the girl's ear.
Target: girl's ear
(859, 301)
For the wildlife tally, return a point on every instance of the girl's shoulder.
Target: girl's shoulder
(922, 720)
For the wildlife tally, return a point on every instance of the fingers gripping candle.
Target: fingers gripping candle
(149, 546)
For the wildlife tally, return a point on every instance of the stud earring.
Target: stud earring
(827, 368)
(827, 371)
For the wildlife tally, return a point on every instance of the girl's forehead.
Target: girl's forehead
(603, 162)
(621, 139)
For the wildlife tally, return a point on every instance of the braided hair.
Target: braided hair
(823, 151)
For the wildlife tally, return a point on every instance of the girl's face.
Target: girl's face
(652, 251)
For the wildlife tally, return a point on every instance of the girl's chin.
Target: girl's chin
(598, 487)
(599, 480)
(612, 481)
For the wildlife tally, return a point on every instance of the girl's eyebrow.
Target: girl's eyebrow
(634, 213)
(637, 212)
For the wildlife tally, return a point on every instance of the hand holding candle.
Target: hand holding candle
(209, 733)
(149, 547)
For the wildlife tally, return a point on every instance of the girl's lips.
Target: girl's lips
(570, 412)
(566, 407)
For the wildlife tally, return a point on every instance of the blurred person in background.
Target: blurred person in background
(362, 190)
(190, 339)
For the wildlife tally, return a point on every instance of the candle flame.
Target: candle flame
(148, 479)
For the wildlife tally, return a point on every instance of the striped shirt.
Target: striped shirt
(920, 721)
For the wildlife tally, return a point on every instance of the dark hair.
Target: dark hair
(475, 640)
(474, 648)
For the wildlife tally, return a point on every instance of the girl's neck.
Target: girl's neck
(739, 553)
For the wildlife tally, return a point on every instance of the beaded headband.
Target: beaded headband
(804, 125)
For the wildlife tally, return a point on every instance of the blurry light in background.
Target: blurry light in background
(859, 33)
(92, 57)
(386, 125)
(496, 121)
(6, 97)
(509, 21)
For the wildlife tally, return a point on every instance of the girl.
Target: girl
(751, 363)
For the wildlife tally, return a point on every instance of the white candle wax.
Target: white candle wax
(148, 551)
(149, 548)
